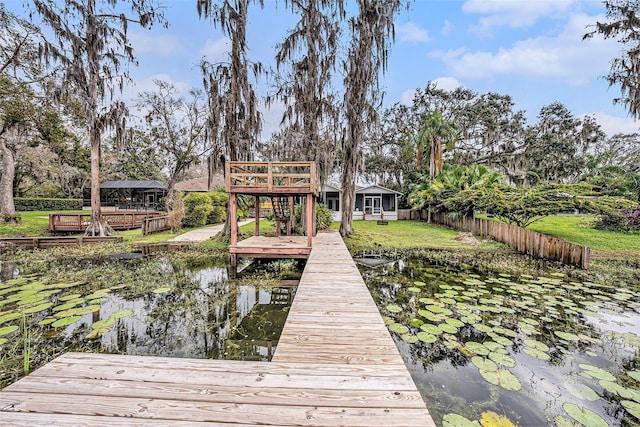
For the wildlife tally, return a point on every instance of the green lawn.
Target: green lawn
(403, 235)
(577, 229)
(34, 223)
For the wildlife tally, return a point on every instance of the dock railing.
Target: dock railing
(271, 177)
(79, 221)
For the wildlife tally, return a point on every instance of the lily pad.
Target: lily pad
(122, 313)
(398, 328)
(416, 323)
(35, 309)
(419, 284)
(538, 354)
(165, 289)
(431, 329)
(583, 391)
(66, 321)
(3, 340)
(584, 416)
(536, 345)
(448, 328)
(491, 419)
(477, 348)
(567, 336)
(9, 316)
(455, 420)
(484, 364)
(632, 407)
(411, 339)
(414, 289)
(503, 378)
(502, 359)
(634, 374)
(7, 330)
(596, 372)
(426, 337)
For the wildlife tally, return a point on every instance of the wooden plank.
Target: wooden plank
(163, 409)
(367, 398)
(31, 419)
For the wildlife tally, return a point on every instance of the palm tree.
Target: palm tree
(436, 132)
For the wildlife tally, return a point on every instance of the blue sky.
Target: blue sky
(529, 49)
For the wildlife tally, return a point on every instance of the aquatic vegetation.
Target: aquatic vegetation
(512, 344)
(144, 306)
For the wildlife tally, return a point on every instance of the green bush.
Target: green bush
(219, 198)
(217, 215)
(197, 207)
(323, 217)
(24, 204)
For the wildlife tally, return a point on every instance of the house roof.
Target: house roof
(133, 184)
(200, 184)
(360, 189)
(377, 189)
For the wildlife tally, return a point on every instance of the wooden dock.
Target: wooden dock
(335, 365)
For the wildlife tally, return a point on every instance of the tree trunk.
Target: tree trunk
(435, 158)
(348, 198)
(97, 227)
(7, 206)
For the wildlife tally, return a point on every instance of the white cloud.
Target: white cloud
(216, 50)
(447, 28)
(447, 83)
(564, 56)
(406, 98)
(410, 32)
(164, 45)
(615, 124)
(514, 13)
(271, 118)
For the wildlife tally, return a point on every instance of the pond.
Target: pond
(526, 350)
(138, 307)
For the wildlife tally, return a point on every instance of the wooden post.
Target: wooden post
(309, 220)
(233, 212)
(291, 216)
(313, 214)
(257, 229)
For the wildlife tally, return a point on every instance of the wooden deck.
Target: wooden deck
(335, 364)
(272, 247)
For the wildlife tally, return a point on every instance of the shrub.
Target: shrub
(323, 217)
(217, 215)
(197, 207)
(219, 198)
(626, 220)
(47, 204)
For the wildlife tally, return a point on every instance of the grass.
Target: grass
(577, 229)
(403, 235)
(34, 223)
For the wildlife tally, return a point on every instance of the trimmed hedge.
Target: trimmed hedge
(24, 204)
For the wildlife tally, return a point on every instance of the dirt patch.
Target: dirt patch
(467, 238)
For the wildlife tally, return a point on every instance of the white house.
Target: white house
(372, 203)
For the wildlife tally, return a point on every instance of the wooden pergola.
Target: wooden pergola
(282, 182)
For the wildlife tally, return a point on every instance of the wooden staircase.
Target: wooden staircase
(281, 214)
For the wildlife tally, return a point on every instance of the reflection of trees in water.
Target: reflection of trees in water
(205, 315)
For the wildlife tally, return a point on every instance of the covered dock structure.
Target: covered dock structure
(284, 183)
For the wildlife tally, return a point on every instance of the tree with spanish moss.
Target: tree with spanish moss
(623, 25)
(92, 47)
(372, 30)
(234, 120)
(307, 58)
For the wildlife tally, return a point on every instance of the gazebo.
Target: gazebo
(281, 182)
(138, 195)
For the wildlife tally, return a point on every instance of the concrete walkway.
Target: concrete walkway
(202, 234)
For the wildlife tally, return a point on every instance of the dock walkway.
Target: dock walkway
(335, 365)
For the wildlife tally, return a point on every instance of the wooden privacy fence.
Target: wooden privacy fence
(76, 222)
(526, 241)
(155, 224)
